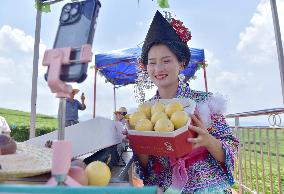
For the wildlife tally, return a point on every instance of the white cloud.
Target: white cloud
(257, 42)
(259, 79)
(16, 58)
(245, 88)
(15, 39)
(104, 97)
(211, 58)
(224, 81)
(5, 64)
(16, 66)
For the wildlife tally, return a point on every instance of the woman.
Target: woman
(164, 55)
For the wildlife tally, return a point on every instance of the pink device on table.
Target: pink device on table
(61, 158)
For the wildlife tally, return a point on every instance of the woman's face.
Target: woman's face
(163, 66)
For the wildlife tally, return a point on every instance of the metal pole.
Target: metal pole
(114, 98)
(95, 92)
(61, 118)
(278, 43)
(35, 75)
(205, 76)
(240, 178)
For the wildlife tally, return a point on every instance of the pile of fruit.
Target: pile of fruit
(159, 117)
(96, 173)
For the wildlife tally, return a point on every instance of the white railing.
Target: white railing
(261, 152)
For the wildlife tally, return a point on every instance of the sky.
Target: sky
(237, 36)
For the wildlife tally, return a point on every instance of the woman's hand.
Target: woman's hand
(213, 145)
(48, 144)
(82, 97)
(203, 137)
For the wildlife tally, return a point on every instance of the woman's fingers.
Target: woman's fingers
(193, 140)
(196, 121)
(196, 142)
(198, 117)
(195, 129)
(194, 146)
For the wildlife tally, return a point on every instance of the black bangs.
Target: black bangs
(161, 32)
(180, 49)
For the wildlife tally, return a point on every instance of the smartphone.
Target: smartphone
(77, 24)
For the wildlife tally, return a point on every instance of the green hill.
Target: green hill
(19, 123)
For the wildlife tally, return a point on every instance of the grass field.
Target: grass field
(259, 159)
(19, 123)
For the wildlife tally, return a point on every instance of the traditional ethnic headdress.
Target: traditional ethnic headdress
(170, 32)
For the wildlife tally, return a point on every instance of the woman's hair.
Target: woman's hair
(180, 49)
(162, 32)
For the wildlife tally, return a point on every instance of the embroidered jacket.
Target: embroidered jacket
(206, 175)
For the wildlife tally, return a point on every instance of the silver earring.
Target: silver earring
(142, 83)
(182, 82)
(181, 77)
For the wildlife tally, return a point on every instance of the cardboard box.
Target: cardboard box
(172, 144)
(86, 137)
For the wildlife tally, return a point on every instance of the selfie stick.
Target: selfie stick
(61, 155)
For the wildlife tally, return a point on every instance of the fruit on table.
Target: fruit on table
(157, 107)
(7, 145)
(144, 125)
(127, 116)
(146, 109)
(164, 125)
(78, 174)
(158, 115)
(173, 107)
(98, 173)
(134, 117)
(179, 119)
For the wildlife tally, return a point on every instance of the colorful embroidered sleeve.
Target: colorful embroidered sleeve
(221, 130)
(157, 173)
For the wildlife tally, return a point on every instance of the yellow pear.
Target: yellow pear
(98, 173)
(179, 119)
(146, 109)
(173, 107)
(157, 107)
(144, 125)
(158, 115)
(164, 125)
(127, 116)
(134, 117)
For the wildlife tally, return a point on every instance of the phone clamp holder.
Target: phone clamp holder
(62, 149)
(55, 58)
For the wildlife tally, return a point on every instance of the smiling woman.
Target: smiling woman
(164, 55)
(163, 68)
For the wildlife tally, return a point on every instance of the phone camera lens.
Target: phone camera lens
(74, 11)
(67, 8)
(77, 6)
(64, 17)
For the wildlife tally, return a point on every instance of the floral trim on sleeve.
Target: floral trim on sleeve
(158, 171)
(223, 132)
(142, 172)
